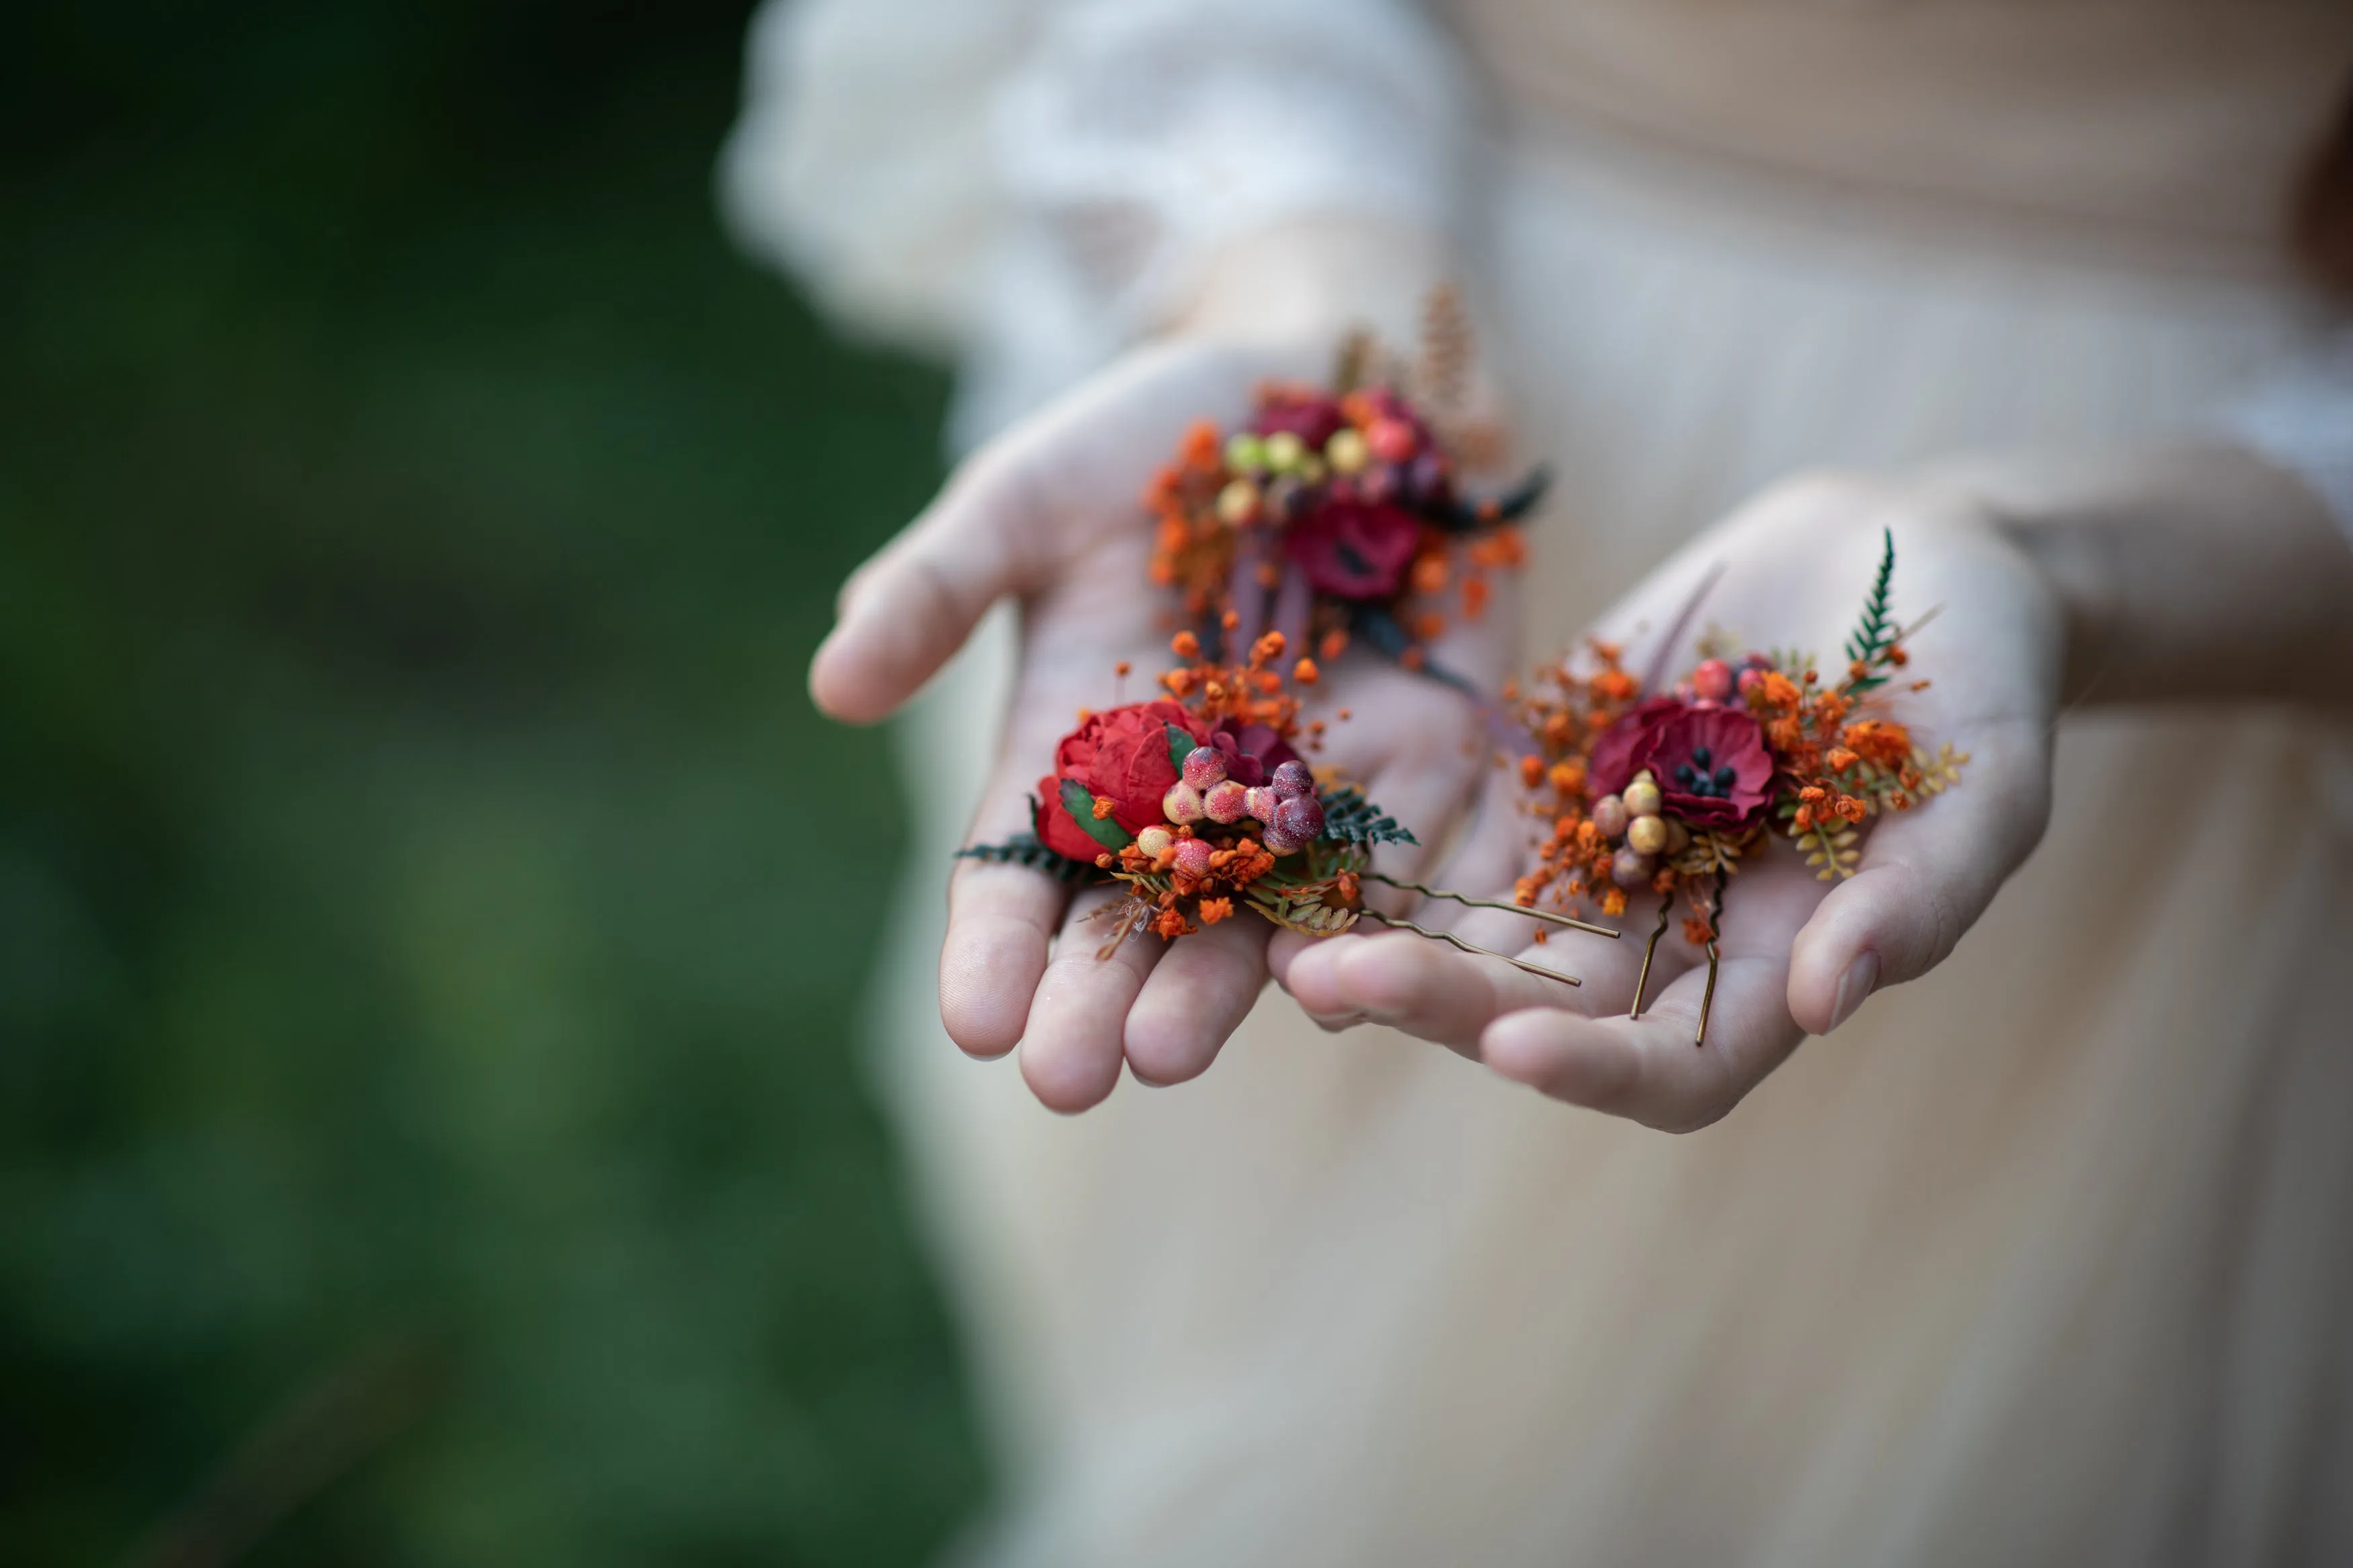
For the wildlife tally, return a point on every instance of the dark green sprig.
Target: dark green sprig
(1349, 818)
(1877, 631)
(1024, 849)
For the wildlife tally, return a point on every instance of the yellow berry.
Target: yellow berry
(1347, 451)
(1284, 451)
(1244, 452)
(1647, 835)
(1642, 798)
(1238, 503)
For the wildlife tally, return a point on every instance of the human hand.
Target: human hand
(1051, 514)
(1797, 956)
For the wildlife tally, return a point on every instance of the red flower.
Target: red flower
(1310, 416)
(1711, 764)
(1253, 751)
(1353, 550)
(1121, 753)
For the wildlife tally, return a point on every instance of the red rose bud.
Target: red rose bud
(1392, 440)
(1193, 857)
(1226, 801)
(1293, 778)
(1204, 766)
(1182, 803)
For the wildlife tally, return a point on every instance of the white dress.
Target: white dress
(2046, 1258)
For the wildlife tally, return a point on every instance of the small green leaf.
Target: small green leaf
(1081, 807)
(1180, 746)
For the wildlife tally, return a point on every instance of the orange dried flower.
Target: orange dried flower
(1306, 673)
(1185, 646)
(1839, 759)
(1475, 595)
(1335, 643)
(1212, 910)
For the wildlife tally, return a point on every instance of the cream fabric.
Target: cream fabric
(2043, 1259)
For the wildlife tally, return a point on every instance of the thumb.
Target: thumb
(906, 611)
(1926, 877)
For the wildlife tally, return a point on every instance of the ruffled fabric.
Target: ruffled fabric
(1035, 184)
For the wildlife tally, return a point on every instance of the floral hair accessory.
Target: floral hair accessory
(1335, 512)
(1200, 803)
(1672, 792)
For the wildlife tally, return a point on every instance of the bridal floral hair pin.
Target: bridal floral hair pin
(1201, 805)
(1672, 790)
(1337, 512)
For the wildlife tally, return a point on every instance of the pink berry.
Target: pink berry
(1154, 839)
(1226, 801)
(1204, 766)
(1193, 857)
(1281, 843)
(1293, 778)
(1300, 817)
(1610, 816)
(1749, 679)
(1712, 679)
(1392, 440)
(1629, 869)
(1262, 801)
(1182, 803)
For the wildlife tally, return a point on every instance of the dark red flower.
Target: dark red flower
(1354, 548)
(1312, 416)
(1253, 751)
(1711, 764)
(1121, 753)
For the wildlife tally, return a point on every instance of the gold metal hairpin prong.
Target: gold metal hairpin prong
(1666, 907)
(1492, 904)
(1706, 998)
(1714, 928)
(1455, 941)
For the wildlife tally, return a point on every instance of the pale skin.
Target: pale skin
(2195, 574)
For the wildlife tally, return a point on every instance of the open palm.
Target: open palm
(1798, 955)
(1051, 514)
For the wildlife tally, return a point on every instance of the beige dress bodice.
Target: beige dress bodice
(2041, 1260)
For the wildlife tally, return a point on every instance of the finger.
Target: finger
(1413, 983)
(1648, 1069)
(904, 612)
(1001, 924)
(1198, 996)
(1072, 1046)
(1926, 877)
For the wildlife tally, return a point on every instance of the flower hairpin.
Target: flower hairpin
(1334, 512)
(1672, 792)
(1200, 804)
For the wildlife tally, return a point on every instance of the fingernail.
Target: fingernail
(1861, 978)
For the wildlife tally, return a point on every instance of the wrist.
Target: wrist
(1313, 279)
(2188, 573)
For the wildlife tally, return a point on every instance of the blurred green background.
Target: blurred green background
(431, 915)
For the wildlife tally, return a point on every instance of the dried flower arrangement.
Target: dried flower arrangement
(1200, 804)
(1334, 511)
(1670, 792)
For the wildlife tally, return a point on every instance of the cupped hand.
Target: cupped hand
(1798, 956)
(1053, 515)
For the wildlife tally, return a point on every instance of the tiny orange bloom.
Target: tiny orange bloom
(1185, 645)
(1212, 910)
(1839, 759)
(1335, 643)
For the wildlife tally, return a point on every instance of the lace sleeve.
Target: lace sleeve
(2302, 420)
(1038, 184)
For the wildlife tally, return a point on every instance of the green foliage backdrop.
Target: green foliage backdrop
(431, 916)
